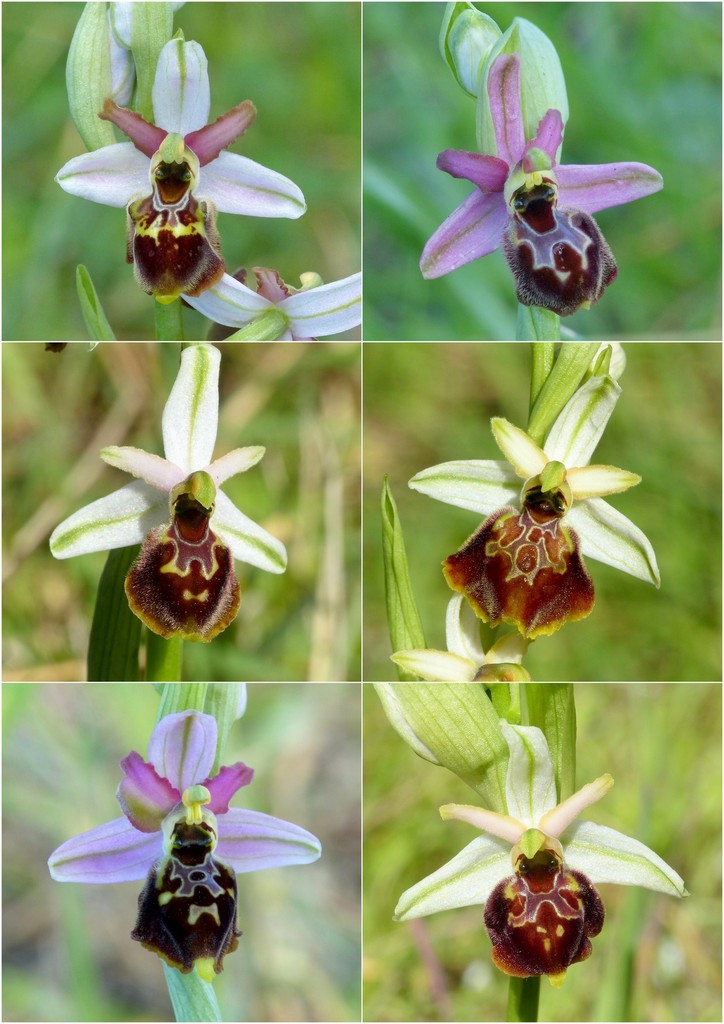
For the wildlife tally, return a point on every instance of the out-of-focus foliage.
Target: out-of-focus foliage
(299, 63)
(662, 744)
(68, 953)
(426, 404)
(300, 401)
(644, 83)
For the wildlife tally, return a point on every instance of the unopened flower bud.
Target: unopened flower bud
(466, 38)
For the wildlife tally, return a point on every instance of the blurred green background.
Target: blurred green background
(301, 401)
(426, 404)
(300, 64)
(662, 744)
(644, 83)
(67, 952)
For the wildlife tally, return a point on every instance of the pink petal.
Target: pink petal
(208, 141)
(548, 137)
(144, 136)
(487, 172)
(504, 93)
(593, 187)
(471, 231)
(182, 748)
(114, 852)
(252, 841)
(223, 786)
(144, 796)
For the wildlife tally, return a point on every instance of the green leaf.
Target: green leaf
(458, 726)
(115, 633)
(193, 998)
(95, 318)
(574, 358)
(163, 658)
(403, 618)
(552, 708)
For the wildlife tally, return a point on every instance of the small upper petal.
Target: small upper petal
(557, 820)
(437, 666)
(144, 796)
(253, 841)
(111, 175)
(473, 230)
(246, 540)
(237, 184)
(182, 748)
(208, 142)
(520, 450)
(191, 414)
(329, 309)
(181, 97)
(222, 786)
(504, 94)
(119, 520)
(593, 187)
(549, 135)
(113, 852)
(153, 469)
(236, 461)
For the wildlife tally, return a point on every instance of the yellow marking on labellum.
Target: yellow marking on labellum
(188, 596)
(165, 898)
(195, 912)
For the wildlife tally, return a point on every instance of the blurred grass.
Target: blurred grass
(301, 67)
(662, 744)
(644, 83)
(68, 955)
(300, 401)
(426, 404)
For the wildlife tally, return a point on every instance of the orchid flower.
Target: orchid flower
(178, 828)
(172, 237)
(541, 917)
(304, 314)
(465, 660)
(539, 211)
(524, 564)
(183, 582)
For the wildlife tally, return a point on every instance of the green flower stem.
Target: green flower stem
(523, 999)
(115, 633)
(193, 998)
(537, 324)
(543, 354)
(163, 658)
(169, 321)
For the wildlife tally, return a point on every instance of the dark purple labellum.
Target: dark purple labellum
(523, 566)
(559, 258)
(187, 909)
(172, 237)
(183, 582)
(542, 918)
